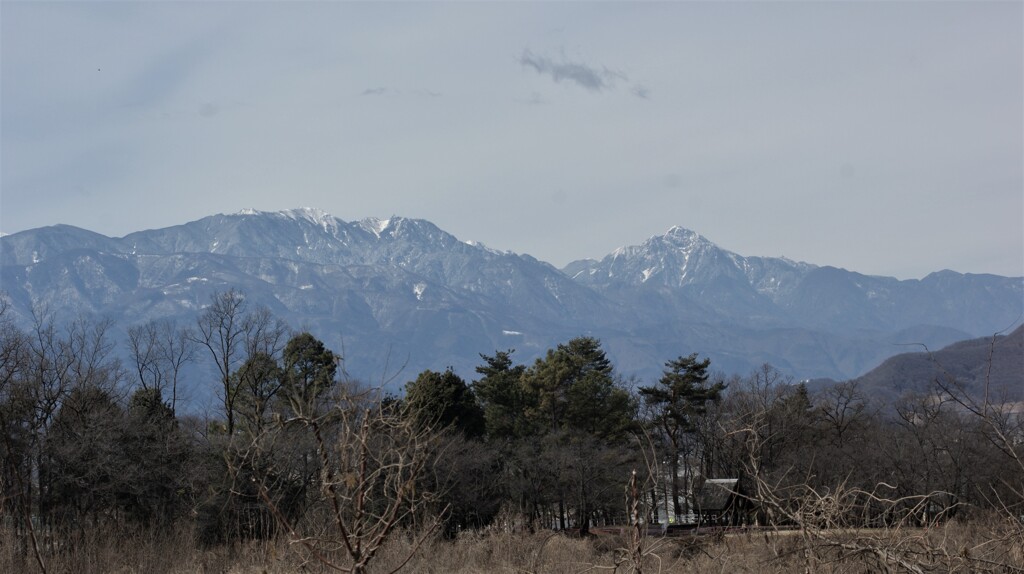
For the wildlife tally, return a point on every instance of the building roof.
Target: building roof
(716, 494)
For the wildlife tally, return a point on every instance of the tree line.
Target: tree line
(295, 448)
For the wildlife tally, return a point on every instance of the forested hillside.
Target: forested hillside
(991, 365)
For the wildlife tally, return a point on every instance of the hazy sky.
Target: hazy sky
(883, 137)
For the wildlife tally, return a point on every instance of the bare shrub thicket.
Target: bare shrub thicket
(369, 459)
(951, 500)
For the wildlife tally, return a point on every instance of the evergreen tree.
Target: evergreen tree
(155, 453)
(502, 396)
(580, 412)
(680, 396)
(567, 381)
(444, 400)
(258, 381)
(309, 372)
(83, 458)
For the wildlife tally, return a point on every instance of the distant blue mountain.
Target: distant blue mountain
(403, 293)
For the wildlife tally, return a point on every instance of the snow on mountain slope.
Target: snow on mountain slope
(681, 270)
(682, 257)
(403, 290)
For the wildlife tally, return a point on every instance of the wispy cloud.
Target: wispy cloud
(588, 77)
(641, 91)
(382, 91)
(209, 109)
(535, 99)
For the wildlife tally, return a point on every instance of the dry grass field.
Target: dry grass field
(954, 547)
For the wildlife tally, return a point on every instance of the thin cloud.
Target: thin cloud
(641, 92)
(382, 91)
(587, 77)
(535, 99)
(209, 109)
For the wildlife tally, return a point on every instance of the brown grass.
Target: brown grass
(955, 547)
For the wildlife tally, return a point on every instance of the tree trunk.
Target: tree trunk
(654, 506)
(675, 483)
(583, 514)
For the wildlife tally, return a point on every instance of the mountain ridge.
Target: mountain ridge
(401, 287)
(990, 366)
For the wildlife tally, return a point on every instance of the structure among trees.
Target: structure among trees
(722, 502)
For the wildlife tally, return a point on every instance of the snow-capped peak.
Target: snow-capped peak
(312, 214)
(318, 217)
(375, 225)
(677, 230)
(485, 248)
(678, 234)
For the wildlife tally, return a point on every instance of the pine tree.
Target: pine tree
(309, 372)
(444, 400)
(680, 396)
(502, 396)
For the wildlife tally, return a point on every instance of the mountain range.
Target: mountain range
(400, 295)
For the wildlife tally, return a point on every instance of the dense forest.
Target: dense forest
(299, 467)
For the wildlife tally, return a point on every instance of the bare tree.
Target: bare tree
(94, 362)
(15, 475)
(643, 541)
(370, 462)
(1002, 425)
(39, 370)
(221, 332)
(232, 333)
(765, 431)
(843, 410)
(159, 351)
(264, 333)
(901, 515)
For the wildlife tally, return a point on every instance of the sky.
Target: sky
(882, 137)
